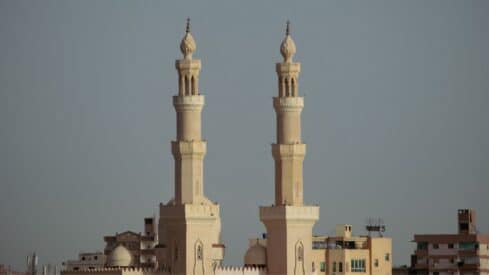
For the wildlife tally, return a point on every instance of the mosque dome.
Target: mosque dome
(287, 48)
(188, 46)
(256, 255)
(120, 256)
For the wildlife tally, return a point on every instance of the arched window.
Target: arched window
(287, 88)
(199, 252)
(187, 86)
(194, 89)
(293, 88)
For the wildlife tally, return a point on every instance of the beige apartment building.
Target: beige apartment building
(348, 254)
(466, 252)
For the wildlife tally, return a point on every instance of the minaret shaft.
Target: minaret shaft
(289, 151)
(189, 149)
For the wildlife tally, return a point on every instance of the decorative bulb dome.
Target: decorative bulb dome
(120, 257)
(287, 48)
(256, 256)
(188, 46)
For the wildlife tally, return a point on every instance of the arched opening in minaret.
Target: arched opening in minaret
(293, 88)
(187, 86)
(287, 87)
(194, 88)
(280, 86)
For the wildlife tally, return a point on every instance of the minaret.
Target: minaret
(189, 149)
(289, 222)
(190, 225)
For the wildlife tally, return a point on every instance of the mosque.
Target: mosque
(189, 228)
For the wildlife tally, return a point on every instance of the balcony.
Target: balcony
(422, 253)
(468, 253)
(421, 266)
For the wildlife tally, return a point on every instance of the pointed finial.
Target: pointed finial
(287, 48)
(187, 29)
(187, 46)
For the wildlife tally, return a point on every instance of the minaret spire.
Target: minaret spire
(187, 28)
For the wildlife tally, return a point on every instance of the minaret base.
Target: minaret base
(289, 238)
(190, 239)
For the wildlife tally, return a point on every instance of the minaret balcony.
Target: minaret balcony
(288, 68)
(188, 102)
(288, 104)
(290, 213)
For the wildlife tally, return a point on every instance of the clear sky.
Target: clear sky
(396, 115)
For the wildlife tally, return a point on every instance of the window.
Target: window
(387, 257)
(436, 246)
(358, 265)
(95, 257)
(340, 267)
(300, 253)
(450, 245)
(334, 266)
(83, 258)
(422, 245)
(376, 262)
(322, 266)
(199, 252)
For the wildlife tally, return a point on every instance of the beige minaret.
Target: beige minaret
(190, 223)
(289, 222)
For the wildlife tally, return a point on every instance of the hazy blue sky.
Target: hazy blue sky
(396, 115)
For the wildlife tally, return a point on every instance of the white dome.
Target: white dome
(256, 256)
(120, 256)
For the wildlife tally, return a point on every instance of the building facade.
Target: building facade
(86, 261)
(466, 252)
(348, 254)
(140, 245)
(6, 270)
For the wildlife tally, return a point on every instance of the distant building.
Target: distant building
(6, 270)
(86, 261)
(464, 253)
(402, 270)
(141, 246)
